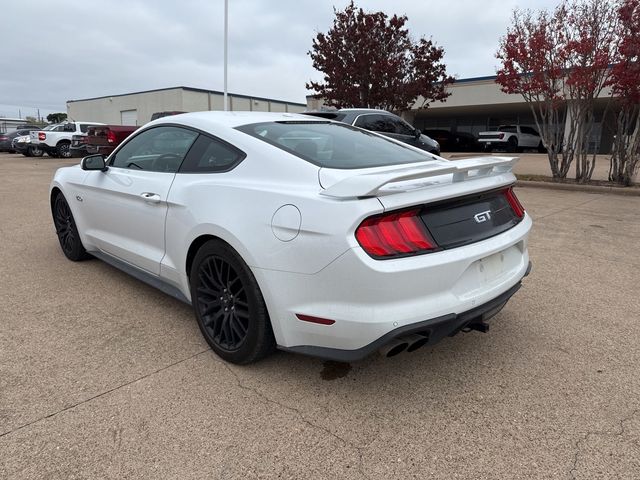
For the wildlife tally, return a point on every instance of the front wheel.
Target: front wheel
(66, 230)
(229, 307)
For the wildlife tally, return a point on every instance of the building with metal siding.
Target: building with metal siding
(136, 108)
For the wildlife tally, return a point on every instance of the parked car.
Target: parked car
(105, 138)
(24, 146)
(6, 139)
(29, 127)
(382, 122)
(79, 145)
(56, 142)
(454, 141)
(288, 231)
(512, 138)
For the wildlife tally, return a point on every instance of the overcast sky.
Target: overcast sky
(53, 51)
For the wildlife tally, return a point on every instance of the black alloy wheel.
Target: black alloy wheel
(64, 150)
(35, 151)
(66, 230)
(228, 305)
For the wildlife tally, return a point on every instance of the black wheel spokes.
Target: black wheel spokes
(223, 303)
(64, 225)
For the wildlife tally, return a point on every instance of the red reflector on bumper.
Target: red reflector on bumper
(309, 318)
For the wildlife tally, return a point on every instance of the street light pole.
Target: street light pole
(226, 41)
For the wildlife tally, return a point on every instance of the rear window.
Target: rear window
(333, 145)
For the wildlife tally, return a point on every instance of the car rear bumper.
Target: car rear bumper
(370, 300)
(78, 151)
(433, 330)
(99, 149)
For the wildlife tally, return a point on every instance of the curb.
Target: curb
(625, 191)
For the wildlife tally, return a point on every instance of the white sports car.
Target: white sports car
(299, 233)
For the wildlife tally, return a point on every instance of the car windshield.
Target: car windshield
(334, 145)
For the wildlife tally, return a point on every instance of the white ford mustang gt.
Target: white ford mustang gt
(303, 234)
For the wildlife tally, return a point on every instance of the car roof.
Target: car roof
(365, 110)
(231, 119)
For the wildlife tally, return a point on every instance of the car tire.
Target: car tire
(512, 145)
(228, 305)
(63, 150)
(35, 151)
(66, 230)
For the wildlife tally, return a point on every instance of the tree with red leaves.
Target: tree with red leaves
(625, 87)
(559, 63)
(369, 60)
(591, 32)
(534, 65)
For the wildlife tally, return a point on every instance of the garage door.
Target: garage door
(129, 117)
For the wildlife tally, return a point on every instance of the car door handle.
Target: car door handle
(150, 197)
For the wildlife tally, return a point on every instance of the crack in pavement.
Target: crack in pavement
(82, 402)
(565, 209)
(300, 415)
(585, 437)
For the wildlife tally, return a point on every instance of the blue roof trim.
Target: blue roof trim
(191, 89)
(476, 79)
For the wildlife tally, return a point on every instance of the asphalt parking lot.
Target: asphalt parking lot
(104, 377)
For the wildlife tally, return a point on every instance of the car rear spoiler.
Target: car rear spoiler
(370, 184)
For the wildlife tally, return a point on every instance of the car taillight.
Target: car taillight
(111, 137)
(42, 136)
(501, 136)
(395, 234)
(517, 207)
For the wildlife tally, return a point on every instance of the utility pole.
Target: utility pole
(226, 41)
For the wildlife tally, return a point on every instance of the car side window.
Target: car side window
(401, 127)
(376, 123)
(529, 130)
(159, 149)
(211, 155)
(59, 128)
(84, 127)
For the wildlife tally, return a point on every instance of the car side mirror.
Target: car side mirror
(417, 133)
(94, 162)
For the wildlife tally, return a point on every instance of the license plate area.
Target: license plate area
(488, 272)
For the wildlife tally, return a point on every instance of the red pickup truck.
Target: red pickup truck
(105, 138)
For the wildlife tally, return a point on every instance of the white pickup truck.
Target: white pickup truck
(512, 138)
(57, 141)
